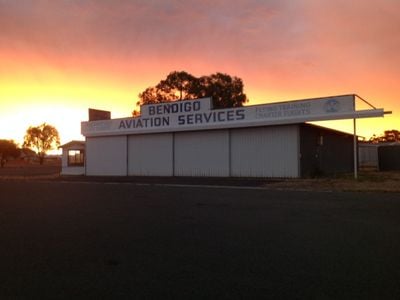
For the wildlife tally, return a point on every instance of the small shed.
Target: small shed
(73, 158)
(389, 157)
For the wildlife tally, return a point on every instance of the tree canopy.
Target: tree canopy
(42, 138)
(8, 148)
(388, 136)
(226, 91)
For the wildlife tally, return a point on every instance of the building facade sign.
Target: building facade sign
(177, 107)
(199, 115)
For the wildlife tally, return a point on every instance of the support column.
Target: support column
(355, 149)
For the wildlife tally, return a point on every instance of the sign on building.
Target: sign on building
(198, 114)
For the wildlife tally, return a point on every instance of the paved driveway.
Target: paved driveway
(71, 240)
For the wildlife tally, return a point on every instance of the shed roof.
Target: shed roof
(73, 144)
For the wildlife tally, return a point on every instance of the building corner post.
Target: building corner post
(355, 149)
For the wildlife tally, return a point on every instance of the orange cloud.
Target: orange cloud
(102, 54)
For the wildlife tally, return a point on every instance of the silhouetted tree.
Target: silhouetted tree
(226, 91)
(179, 86)
(8, 148)
(42, 138)
(388, 136)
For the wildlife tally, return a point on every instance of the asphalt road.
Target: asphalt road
(71, 240)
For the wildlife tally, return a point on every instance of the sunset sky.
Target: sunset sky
(60, 57)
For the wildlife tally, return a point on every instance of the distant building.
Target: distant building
(379, 156)
(73, 158)
(389, 156)
(28, 155)
(368, 156)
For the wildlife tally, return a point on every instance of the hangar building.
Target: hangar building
(190, 138)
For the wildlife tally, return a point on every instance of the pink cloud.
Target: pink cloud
(282, 42)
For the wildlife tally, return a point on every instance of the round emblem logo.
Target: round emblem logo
(332, 106)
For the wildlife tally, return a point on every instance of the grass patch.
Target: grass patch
(367, 182)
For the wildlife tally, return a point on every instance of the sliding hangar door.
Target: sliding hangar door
(246, 152)
(265, 152)
(150, 155)
(106, 156)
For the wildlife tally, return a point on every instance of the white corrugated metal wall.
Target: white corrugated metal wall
(368, 156)
(150, 155)
(265, 152)
(106, 156)
(250, 152)
(202, 153)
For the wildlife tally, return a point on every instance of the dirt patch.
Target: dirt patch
(21, 169)
(367, 182)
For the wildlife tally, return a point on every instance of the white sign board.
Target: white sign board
(186, 106)
(199, 115)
